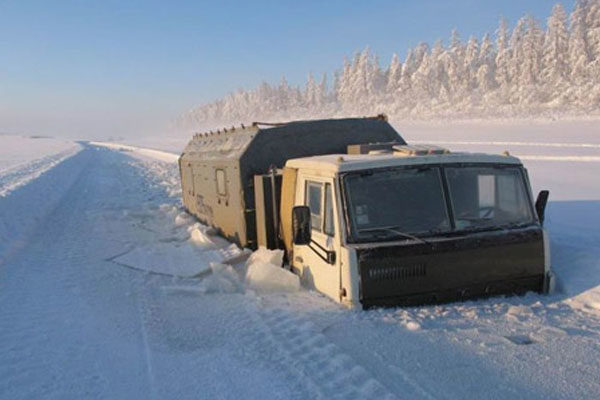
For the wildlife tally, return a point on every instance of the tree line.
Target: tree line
(523, 71)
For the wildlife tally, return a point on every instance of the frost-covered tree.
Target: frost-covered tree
(579, 53)
(471, 62)
(556, 47)
(408, 68)
(315, 94)
(393, 75)
(421, 82)
(530, 52)
(418, 55)
(487, 54)
(517, 52)
(343, 89)
(438, 75)
(324, 95)
(593, 38)
(503, 57)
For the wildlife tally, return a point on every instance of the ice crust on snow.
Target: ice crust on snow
(187, 249)
(175, 260)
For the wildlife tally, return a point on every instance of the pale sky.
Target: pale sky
(84, 69)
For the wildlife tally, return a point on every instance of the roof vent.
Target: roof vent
(419, 150)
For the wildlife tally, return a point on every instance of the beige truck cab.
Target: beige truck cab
(413, 225)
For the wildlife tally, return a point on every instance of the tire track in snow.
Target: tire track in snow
(332, 373)
(143, 322)
(143, 310)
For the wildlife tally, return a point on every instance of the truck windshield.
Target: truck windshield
(410, 203)
(397, 203)
(484, 197)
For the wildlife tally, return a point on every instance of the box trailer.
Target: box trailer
(220, 169)
(367, 219)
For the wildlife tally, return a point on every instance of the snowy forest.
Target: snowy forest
(531, 69)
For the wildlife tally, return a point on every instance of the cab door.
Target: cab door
(319, 262)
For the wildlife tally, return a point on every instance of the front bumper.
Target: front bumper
(453, 268)
(471, 292)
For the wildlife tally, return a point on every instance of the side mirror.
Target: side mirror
(301, 225)
(540, 204)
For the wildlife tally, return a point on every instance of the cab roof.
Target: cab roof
(354, 162)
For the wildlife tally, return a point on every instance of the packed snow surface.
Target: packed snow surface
(109, 290)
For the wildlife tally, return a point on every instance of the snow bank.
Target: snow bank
(140, 152)
(201, 235)
(265, 273)
(23, 159)
(224, 279)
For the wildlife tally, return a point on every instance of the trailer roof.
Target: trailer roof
(354, 162)
(274, 143)
(221, 144)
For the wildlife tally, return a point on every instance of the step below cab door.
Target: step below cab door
(319, 262)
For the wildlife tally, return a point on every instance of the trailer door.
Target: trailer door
(319, 262)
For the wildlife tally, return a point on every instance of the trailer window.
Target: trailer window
(329, 228)
(221, 182)
(314, 199)
(189, 179)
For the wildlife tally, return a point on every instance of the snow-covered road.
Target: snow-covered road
(76, 324)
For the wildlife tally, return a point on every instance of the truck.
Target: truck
(367, 219)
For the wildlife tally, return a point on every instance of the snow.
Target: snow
(76, 322)
(266, 275)
(140, 152)
(554, 152)
(23, 159)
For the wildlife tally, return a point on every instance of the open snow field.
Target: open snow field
(109, 290)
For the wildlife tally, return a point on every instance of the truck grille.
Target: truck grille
(393, 273)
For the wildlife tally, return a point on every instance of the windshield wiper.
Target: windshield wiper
(394, 230)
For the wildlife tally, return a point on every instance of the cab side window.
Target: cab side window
(329, 229)
(314, 199)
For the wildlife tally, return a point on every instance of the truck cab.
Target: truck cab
(409, 225)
